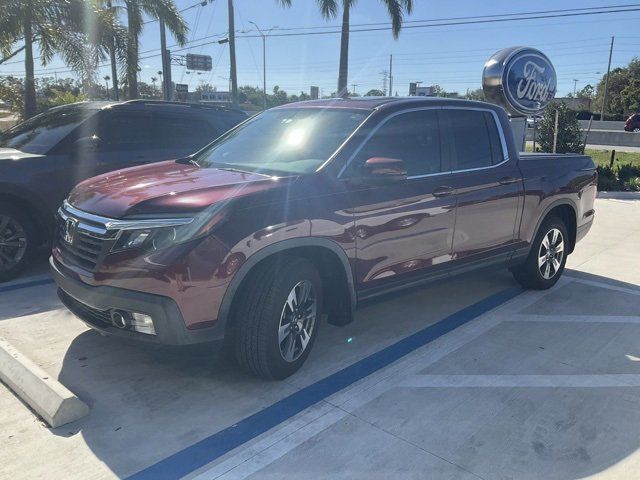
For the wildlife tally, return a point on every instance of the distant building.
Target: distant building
(215, 97)
(417, 91)
(574, 103)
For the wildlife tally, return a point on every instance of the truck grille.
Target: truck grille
(100, 318)
(81, 241)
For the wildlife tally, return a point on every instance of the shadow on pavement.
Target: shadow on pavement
(150, 402)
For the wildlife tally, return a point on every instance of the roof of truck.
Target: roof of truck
(371, 103)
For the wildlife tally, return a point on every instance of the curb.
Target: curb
(619, 195)
(48, 397)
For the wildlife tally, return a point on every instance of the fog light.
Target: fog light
(142, 323)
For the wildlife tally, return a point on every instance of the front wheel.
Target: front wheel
(16, 241)
(278, 318)
(547, 257)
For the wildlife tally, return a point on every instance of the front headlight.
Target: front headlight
(163, 234)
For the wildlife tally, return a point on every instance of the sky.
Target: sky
(451, 56)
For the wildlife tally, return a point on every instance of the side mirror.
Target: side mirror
(383, 170)
(88, 143)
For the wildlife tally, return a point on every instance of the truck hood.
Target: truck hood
(164, 188)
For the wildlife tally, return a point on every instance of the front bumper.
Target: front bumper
(92, 303)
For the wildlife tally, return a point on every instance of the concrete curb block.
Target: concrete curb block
(48, 397)
(620, 195)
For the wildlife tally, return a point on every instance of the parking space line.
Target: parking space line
(523, 381)
(525, 317)
(18, 286)
(213, 447)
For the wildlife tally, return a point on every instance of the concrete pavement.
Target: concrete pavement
(546, 385)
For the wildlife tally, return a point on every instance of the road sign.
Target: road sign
(199, 62)
(182, 87)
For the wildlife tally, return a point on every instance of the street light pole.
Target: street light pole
(264, 65)
(606, 82)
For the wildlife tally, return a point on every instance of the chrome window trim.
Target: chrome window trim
(503, 140)
(114, 224)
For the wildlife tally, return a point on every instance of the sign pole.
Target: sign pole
(555, 133)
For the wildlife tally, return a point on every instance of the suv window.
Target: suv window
(413, 137)
(475, 142)
(124, 131)
(179, 131)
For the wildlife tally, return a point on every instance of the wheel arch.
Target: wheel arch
(566, 210)
(328, 257)
(35, 208)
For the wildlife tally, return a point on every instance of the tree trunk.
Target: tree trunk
(30, 106)
(114, 66)
(232, 56)
(114, 70)
(343, 72)
(132, 57)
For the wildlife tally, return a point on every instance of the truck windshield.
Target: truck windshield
(282, 141)
(41, 133)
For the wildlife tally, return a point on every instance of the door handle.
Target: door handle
(443, 191)
(508, 180)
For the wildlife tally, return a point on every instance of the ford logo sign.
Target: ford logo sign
(520, 79)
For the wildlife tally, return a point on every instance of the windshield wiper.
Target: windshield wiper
(187, 161)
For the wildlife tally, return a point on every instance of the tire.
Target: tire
(260, 344)
(17, 241)
(538, 274)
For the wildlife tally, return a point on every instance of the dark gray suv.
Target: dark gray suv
(42, 159)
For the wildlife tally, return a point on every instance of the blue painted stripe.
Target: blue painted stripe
(205, 451)
(18, 286)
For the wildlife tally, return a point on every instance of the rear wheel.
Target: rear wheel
(547, 257)
(17, 240)
(278, 317)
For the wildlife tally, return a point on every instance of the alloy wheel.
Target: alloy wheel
(13, 242)
(297, 321)
(551, 253)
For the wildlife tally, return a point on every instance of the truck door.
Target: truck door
(488, 185)
(405, 227)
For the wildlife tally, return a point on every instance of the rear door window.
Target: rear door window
(182, 131)
(473, 143)
(124, 131)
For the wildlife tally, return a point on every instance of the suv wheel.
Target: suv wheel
(278, 318)
(16, 241)
(547, 258)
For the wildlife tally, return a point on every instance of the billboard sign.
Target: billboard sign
(520, 79)
(199, 62)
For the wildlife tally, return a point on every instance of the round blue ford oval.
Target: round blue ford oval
(521, 79)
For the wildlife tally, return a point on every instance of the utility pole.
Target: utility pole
(354, 85)
(575, 83)
(391, 75)
(232, 56)
(606, 81)
(385, 76)
(264, 66)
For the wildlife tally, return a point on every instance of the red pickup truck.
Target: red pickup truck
(304, 211)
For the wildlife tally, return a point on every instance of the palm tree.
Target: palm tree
(329, 9)
(153, 82)
(135, 9)
(73, 29)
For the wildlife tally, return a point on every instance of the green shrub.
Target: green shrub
(628, 171)
(607, 179)
(569, 135)
(632, 185)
